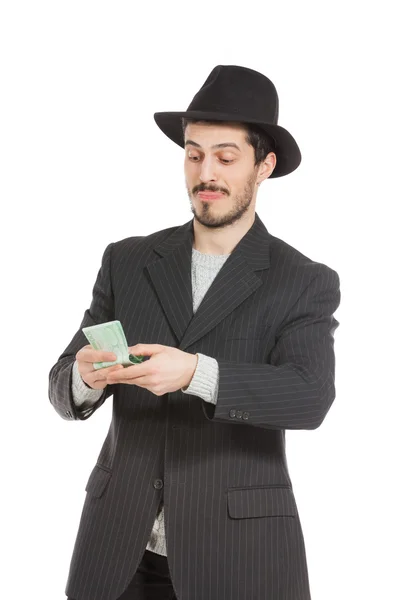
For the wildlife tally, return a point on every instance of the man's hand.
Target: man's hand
(95, 378)
(168, 370)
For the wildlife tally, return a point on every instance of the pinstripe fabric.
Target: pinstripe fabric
(232, 526)
(204, 382)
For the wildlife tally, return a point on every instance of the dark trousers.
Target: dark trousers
(151, 580)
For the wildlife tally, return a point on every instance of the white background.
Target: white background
(83, 164)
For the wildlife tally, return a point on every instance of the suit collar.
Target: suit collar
(233, 284)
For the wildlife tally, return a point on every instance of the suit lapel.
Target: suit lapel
(235, 282)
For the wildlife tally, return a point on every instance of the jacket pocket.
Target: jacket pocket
(98, 480)
(271, 501)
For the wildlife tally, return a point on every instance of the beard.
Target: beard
(226, 210)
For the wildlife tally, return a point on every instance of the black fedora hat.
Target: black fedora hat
(237, 94)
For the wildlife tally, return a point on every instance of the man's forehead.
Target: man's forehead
(215, 136)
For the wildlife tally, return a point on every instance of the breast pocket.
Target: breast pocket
(244, 344)
(250, 331)
(249, 321)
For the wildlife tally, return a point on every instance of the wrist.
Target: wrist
(193, 366)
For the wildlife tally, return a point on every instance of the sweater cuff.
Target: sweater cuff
(82, 393)
(205, 381)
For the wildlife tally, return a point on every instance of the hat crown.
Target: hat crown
(234, 89)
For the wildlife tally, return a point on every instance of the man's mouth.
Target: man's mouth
(210, 195)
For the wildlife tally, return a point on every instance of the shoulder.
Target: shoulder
(287, 258)
(138, 246)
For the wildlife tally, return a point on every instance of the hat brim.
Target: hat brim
(288, 155)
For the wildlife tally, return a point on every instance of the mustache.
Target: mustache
(202, 188)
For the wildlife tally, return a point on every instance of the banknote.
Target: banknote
(110, 337)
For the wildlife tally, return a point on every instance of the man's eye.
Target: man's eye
(224, 160)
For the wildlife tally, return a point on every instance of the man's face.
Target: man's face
(227, 169)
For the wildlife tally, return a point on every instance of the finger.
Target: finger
(86, 354)
(86, 370)
(105, 370)
(131, 372)
(110, 369)
(102, 374)
(139, 381)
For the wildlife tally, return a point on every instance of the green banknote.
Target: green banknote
(110, 337)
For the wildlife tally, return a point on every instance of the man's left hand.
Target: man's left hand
(168, 370)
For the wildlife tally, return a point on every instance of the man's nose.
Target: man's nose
(207, 172)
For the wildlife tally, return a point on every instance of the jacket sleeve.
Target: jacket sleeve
(60, 377)
(83, 395)
(295, 390)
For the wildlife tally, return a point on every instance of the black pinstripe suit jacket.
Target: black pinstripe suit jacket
(232, 525)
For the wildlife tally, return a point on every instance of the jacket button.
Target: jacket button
(239, 414)
(246, 415)
(158, 484)
(232, 413)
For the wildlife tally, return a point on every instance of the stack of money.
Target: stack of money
(110, 337)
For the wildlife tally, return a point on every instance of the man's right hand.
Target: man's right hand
(95, 378)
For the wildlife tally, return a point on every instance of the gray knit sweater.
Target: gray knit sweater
(204, 383)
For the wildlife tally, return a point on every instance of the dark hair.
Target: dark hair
(262, 143)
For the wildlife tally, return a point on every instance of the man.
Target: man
(191, 496)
